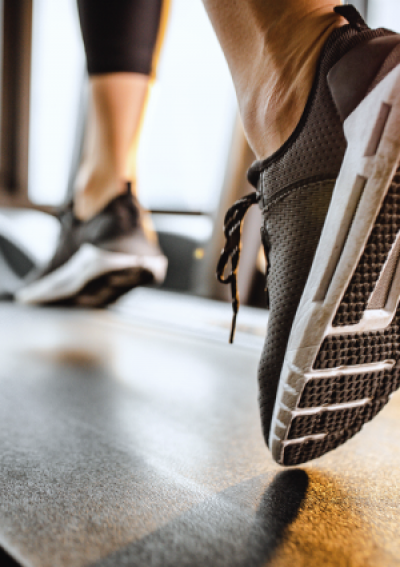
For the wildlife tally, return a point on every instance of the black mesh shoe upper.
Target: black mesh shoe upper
(294, 190)
(118, 227)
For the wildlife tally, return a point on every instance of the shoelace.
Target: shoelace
(235, 215)
(233, 223)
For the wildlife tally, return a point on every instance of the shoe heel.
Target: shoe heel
(359, 71)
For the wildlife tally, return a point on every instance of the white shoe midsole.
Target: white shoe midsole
(88, 263)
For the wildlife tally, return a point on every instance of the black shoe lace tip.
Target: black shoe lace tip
(233, 329)
(231, 251)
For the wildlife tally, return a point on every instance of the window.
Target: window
(56, 85)
(384, 13)
(188, 126)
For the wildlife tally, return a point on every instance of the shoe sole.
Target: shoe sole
(94, 277)
(341, 363)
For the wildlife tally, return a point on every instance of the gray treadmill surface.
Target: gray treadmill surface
(128, 442)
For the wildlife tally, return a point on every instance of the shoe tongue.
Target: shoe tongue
(352, 16)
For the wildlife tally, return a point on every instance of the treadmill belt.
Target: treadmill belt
(125, 443)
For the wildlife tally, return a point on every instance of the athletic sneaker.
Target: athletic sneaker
(98, 260)
(330, 198)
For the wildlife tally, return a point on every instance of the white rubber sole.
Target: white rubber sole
(88, 264)
(369, 165)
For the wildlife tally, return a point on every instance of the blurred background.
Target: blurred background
(139, 424)
(192, 157)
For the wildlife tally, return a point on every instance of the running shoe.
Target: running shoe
(98, 260)
(330, 198)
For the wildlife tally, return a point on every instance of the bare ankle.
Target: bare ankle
(94, 194)
(273, 101)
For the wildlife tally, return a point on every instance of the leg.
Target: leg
(121, 41)
(331, 227)
(105, 246)
(272, 50)
(116, 106)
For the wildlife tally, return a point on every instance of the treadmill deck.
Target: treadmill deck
(128, 441)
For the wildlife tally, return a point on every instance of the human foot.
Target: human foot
(98, 260)
(330, 357)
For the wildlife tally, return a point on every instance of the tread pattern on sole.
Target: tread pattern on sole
(333, 421)
(348, 388)
(366, 275)
(340, 424)
(372, 346)
(301, 452)
(107, 288)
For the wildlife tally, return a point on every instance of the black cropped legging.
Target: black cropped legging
(120, 35)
